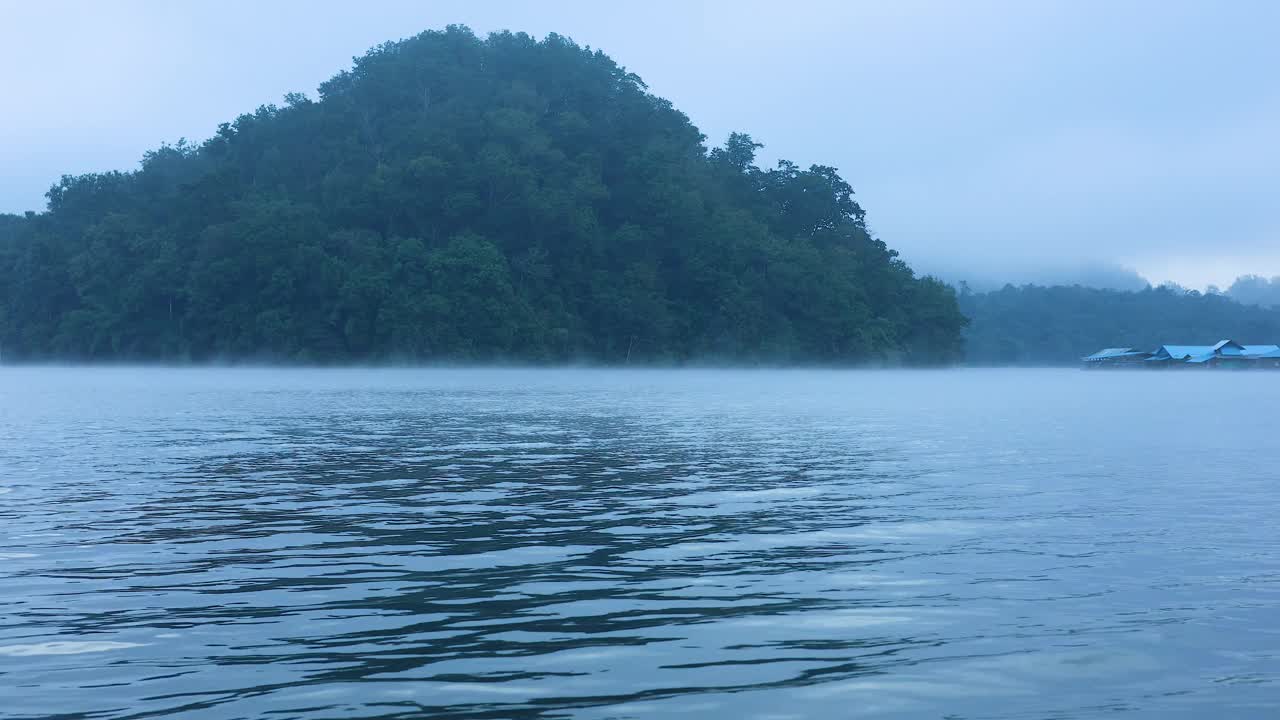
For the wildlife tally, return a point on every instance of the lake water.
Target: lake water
(646, 544)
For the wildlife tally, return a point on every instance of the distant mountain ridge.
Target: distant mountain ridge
(1104, 276)
(1255, 290)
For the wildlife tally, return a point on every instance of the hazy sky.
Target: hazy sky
(980, 136)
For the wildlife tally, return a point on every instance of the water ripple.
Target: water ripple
(551, 544)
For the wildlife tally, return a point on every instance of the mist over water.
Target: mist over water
(637, 544)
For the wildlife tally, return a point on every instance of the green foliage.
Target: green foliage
(1034, 325)
(458, 198)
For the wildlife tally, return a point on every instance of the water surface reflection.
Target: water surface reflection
(504, 544)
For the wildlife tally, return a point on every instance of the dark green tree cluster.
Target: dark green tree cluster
(452, 198)
(1034, 325)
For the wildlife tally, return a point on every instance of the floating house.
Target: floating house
(1226, 353)
(1269, 359)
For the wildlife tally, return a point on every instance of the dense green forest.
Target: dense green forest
(453, 198)
(1034, 325)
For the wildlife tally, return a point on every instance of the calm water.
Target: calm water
(590, 544)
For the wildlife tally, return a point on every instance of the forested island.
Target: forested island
(456, 198)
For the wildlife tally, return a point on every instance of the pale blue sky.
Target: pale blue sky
(981, 136)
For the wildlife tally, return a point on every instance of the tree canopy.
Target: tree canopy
(1035, 325)
(456, 198)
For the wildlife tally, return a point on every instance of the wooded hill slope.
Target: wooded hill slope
(452, 198)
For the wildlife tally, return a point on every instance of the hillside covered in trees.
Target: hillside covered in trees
(1034, 325)
(453, 198)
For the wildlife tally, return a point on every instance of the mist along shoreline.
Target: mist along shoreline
(594, 370)
(516, 366)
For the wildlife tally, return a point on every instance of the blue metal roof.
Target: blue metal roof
(1260, 350)
(1179, 352)
(1229, 348)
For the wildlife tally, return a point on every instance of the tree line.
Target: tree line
(1036, 325)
